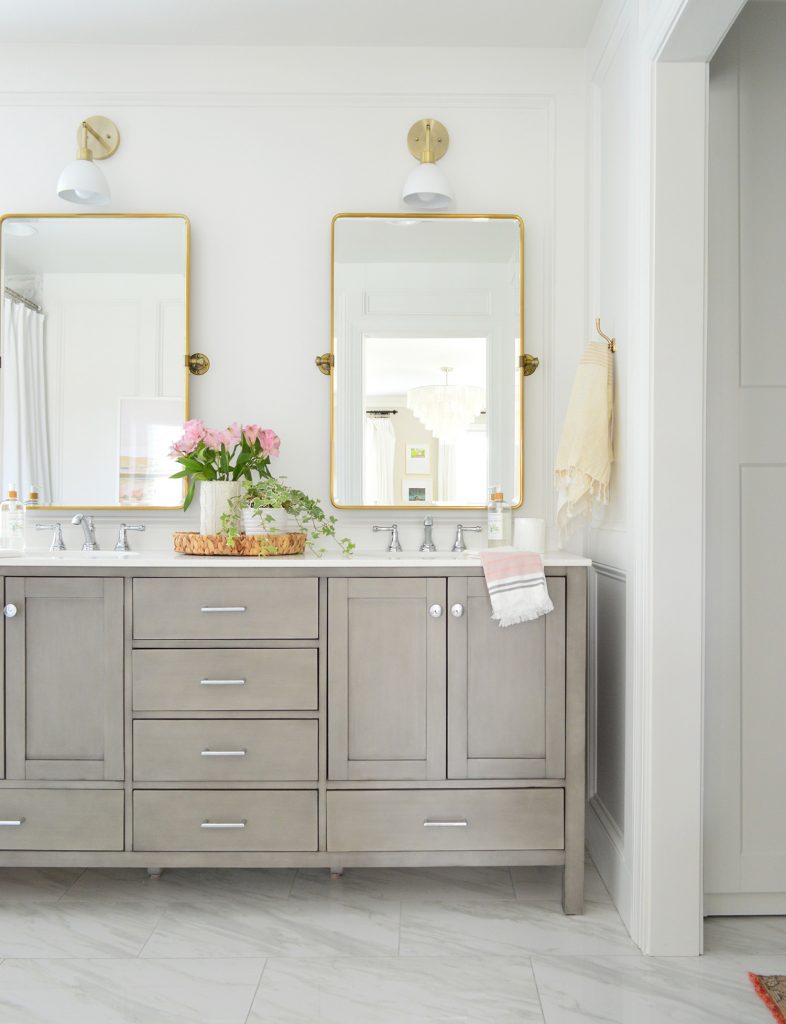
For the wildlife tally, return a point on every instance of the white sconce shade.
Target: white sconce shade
(427, 188)
(82, 182)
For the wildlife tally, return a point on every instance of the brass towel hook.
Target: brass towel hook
(611, 342)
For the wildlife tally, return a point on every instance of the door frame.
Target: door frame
(668, 659)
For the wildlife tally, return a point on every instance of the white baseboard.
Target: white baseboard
(741, 904)
(606, 847)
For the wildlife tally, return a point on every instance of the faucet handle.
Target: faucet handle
(58, 544)
(394, 545)
(458, 543)
(122, 538)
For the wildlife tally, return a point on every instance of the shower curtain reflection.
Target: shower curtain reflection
(379, 447)
(26, 455)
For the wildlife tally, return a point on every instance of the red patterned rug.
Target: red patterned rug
(772, 990)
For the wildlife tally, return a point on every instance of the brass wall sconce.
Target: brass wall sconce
(81, 181)
(427, 186)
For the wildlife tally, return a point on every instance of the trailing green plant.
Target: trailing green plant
(272, 492)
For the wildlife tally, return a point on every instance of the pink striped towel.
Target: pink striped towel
(517, 585)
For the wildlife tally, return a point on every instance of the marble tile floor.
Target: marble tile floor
(387, 946)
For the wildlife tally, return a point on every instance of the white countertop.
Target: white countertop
(172, 560)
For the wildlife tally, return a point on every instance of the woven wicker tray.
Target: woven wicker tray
(245, 544)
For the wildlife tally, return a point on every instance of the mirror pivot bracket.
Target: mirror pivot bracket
(197, 363)
(325, 363)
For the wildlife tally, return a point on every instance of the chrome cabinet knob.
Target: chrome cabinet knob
(457, 610)
(10, 611)
(435, 611)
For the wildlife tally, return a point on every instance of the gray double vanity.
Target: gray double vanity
(170, 711)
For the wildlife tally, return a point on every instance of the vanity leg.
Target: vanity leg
(335, 872)
(154, 874)
(573, 885)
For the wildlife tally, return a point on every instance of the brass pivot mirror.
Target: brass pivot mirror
(428, 364)
(94, 338)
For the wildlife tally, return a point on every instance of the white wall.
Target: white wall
(260, 148)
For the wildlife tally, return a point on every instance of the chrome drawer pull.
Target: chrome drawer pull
(12, 823)
(428, 823)
(222, 682)
(228, 608)
(223, 824)
(224, 753)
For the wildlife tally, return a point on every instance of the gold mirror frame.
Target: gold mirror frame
(525, 362)
(186, 355)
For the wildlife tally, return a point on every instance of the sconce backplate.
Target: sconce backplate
(108, 133)
(416, 138)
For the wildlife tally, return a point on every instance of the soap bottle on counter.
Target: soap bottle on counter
(12, 522)
(500, 519)
(32, 498)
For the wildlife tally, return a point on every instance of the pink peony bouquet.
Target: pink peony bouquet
(236, 453)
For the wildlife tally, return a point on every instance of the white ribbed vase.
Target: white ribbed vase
(214, 498)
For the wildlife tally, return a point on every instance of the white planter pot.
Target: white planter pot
(214, 498)
(253, 525)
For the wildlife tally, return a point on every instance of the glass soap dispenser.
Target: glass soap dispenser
(500, 519)
(12, 522)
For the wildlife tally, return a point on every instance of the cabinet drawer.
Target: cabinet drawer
(61, 819)
(456, 819)
(226, 609)
(221, 820)
(227, 750)
(225, 680)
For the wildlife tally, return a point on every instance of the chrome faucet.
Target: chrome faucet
(394, 541)
(122, 539)
(428, 543)
(458, 543)
(57, 535)
(88, 528)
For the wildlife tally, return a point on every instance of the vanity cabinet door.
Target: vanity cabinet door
(386, 691)
(506, 688)
(64, 679)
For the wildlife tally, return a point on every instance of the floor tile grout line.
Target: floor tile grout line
(256, 990)
(537, 989)
(292, 883)
(161, 915)
(68, 888)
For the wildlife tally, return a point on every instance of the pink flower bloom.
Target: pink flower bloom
(251, 432)
(213, 439)
(231, 436)
(270, 442)
(193, 433)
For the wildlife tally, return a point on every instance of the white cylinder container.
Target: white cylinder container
(214, 498)
(266, 520)
(529, 534)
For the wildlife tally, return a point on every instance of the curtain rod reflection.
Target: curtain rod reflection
(382, 412)
(25, 302)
